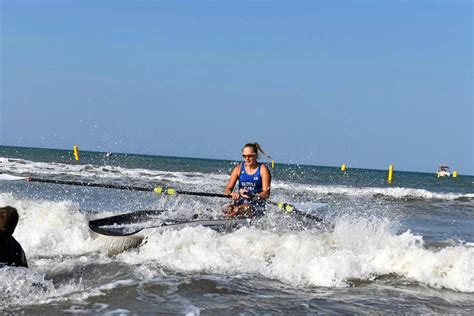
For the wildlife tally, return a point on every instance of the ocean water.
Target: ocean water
(407, 247)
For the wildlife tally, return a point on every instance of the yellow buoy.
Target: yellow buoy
(76, 152)
(273, 164)
(390, 174)
(343, 167)
(455, 174)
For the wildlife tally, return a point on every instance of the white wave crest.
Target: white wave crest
(50, 229)
(362, 248)
(396, 192)
(356, 249)
(211, 181)
(26, 167)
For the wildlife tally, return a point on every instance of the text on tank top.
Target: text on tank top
(250, 182)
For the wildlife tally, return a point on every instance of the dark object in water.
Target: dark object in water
(11, 253)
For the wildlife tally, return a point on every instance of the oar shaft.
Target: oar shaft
(129, 188)
(91, 184)
(203, 194)
(289, 208)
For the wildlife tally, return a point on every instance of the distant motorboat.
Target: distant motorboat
(443, 171)
(108, 154)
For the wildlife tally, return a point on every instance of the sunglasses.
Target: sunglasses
(248, 156)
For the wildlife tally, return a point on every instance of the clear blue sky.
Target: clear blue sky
(366, 83)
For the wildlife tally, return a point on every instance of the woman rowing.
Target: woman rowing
(254, 184)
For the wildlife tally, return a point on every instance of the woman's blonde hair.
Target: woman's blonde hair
(257, 148)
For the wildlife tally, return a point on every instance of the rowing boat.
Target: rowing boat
(132, 223)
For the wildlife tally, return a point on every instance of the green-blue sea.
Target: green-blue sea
(404, 247)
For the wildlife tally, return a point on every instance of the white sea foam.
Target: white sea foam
(55, 235)
(356, 249)
(22, 286)
(49, 229)
(211, 181)
(395, 193)
(27, 167)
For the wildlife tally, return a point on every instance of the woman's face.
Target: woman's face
(249, 156)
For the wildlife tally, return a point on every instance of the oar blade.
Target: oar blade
(120, 231)
(124, 224)
(9, 177)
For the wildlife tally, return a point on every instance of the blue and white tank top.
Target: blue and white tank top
(250, 182)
